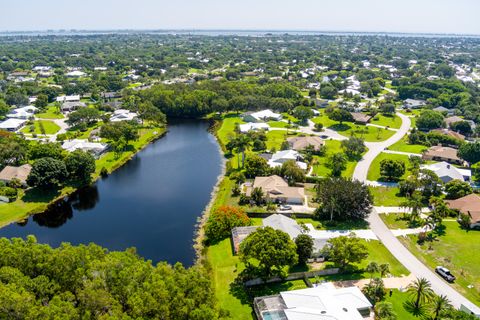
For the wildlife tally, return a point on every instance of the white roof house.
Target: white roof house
(447, 172)
(12, 124)
(123, 115)
(263, 115)
(74, 98)
(23, 112)
(280, 157)
(75, 74)
(92, 147)
(319, 303)
(253, 127)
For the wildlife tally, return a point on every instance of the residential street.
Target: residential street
(398, 250)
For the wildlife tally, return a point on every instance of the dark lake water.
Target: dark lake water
(151, 203)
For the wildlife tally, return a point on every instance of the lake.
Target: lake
(151, 203)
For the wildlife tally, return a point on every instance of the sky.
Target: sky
(411, 16)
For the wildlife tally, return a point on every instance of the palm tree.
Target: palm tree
(384, 311)
(242, 142)
(439, 303)
(415, 204)
(421, 291)
(384, 269)
(372, 268)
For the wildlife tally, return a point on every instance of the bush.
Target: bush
(8, 192)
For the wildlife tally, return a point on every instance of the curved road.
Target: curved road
(415, 266)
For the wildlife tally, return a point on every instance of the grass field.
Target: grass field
(455, 249)
(49, 127)
(320, 169)
(374, 171)
(404, 146)
(386, 196)
(386, 121)
(397, 300)
(394, 221)
(51, 113)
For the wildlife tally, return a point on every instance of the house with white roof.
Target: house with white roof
(280, 157)
(322, 302)
(260, 116)
(12, 124)
(23, 112)
(94, 148)
(75, 74)
(74, 98)
(447, 172)
(413, 104)
(123, 115)
(252, 126)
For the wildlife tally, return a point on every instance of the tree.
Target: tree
(83, 116)
(47, 172)
(80, 166)
(303, 113)
(456, 189)
(45, 150)
(292, 172)
(470, 152)
(438, 305)
(421, 292)
(375, 290)
(257, 196)
(271, 249)
(462, 127)
(353, 147)
(415, 204)
(384, 269)
(430, 119)
(327, 91)
(392, 170)
(42, 101)
(222, 220)
(148, 112)
(430, 183)
(115, 131)
(242, 143)
(337, 162)
(372, 268)
(387, 109)
(304, 243)
(384, 311)
(345, 250)
(256, 166)
(340, 115)
(408, 186)
(343, 199)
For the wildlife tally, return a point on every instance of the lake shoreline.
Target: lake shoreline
(121, 162)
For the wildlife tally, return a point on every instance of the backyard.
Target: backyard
(36, 128)
(374, 171)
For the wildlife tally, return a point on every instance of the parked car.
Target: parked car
(445, 273)
(285, 207)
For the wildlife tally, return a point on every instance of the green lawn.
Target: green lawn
(320, 168)
(397, 299)
(227, 129)
(404, 146)
(278, 124)
(457, 250)
(276, 138)
(386, 196)
(386, 121)
(49, 126)
(51, 113)
(374, 171)
(394, 221)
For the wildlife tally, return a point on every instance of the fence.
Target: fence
(292, 276)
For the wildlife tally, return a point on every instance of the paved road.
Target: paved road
(415, 266)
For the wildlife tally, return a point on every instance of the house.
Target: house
(469, 205)
(413, 104)
(110, 95)
(447, 172)
(323, 301)
(71, 106)
(94, 148)
(21, 173)
(12, 124)
(260, 116)
(301, 143)
(74, 98)
(442, 109)
(75, 74)
(123, 115)
(280, 157)
(352, 92)
(246, 127)
(439, 153)
(449, 133)
(451, 120)
(277, 189)
(361, 118)
(23, 113)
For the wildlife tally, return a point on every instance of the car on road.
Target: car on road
(445, 273)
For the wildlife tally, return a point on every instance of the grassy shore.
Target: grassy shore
(34, 201)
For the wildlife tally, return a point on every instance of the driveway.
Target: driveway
(415, 266)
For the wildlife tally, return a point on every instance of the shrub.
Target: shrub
(222, 220)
